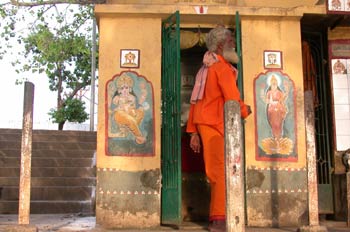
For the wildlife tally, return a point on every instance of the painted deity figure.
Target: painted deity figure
(276, 111)
(127, 114)
(336, 4)
(339, 67)
(276, 108)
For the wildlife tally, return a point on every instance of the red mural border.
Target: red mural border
(330, 54)
(106, 118)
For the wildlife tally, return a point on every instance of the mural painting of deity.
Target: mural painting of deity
(275, 117)
(130, 115)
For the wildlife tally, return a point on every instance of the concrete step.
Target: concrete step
(50, 207)
(53, 132)
(50, 193)
(50, 181)
(58, 153)
(48, 162)
(49, 137)
(53, 145)
(51, 172)
(63, 173)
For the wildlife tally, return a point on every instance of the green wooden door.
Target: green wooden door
(239, 53)
(240, 87)
(171, 128)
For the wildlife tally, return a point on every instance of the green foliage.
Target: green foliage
(64, 58)
(73, 110)
(56, 42)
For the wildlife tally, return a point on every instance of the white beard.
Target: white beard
(230, 55)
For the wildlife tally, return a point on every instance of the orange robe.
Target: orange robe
(207, 118)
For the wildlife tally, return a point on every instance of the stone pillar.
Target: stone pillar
(311, 165)
(26, 153)
(234, 168)
(25, 170)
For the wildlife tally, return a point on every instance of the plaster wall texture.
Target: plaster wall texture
(276, 190)
(281, 34)
(128, 33)
(128, 187)
(254, 3)
(339, 33)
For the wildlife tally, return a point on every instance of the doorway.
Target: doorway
(195, 187)
(185, 190)
(316, 79)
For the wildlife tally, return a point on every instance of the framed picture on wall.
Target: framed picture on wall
(129, 58)
(338, 7)
(273, 59)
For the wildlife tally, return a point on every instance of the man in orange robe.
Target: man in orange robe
(206, 118)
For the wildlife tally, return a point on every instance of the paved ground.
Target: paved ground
(75, 223)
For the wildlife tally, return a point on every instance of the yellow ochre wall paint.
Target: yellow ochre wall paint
(272, 33)
(253, 3)
(339, 33)
(128, 33)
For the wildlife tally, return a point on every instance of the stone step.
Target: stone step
(48, 162)
(49, 193)
(53, 145)
(49, 137)
(51, 172)
(50, 181)
(50, 207)
(51, 132)
(50, 153)
(63, 173)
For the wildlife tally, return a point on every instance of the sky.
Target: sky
(11, 101)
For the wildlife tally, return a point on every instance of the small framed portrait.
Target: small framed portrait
(273, 59)
(129, 58)
(336, 6)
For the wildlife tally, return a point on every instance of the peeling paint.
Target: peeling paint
(255, 179)
(125, 219)
(128, 199)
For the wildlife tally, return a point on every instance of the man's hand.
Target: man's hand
(195, 142)
(249, 109)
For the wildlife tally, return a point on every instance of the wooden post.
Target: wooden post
(26, 153)
(235, 221)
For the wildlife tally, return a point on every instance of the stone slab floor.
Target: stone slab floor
(72, 222)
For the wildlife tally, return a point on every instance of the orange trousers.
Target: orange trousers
(213, 152)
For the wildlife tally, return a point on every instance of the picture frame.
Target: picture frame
(338, 7)
(273, 59)
(129, 58)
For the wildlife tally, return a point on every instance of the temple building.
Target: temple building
(149, 53)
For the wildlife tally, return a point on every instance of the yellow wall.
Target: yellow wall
(339, 33)
(129, 33)
(260, 3)
(272, 33)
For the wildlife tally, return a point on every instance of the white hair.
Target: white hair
(215, 37)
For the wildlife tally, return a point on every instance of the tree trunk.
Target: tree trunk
(60, 125)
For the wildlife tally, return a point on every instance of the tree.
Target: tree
(56, 41)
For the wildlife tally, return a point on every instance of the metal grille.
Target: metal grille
(323, 114)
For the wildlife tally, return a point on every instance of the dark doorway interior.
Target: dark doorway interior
(195, 188)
